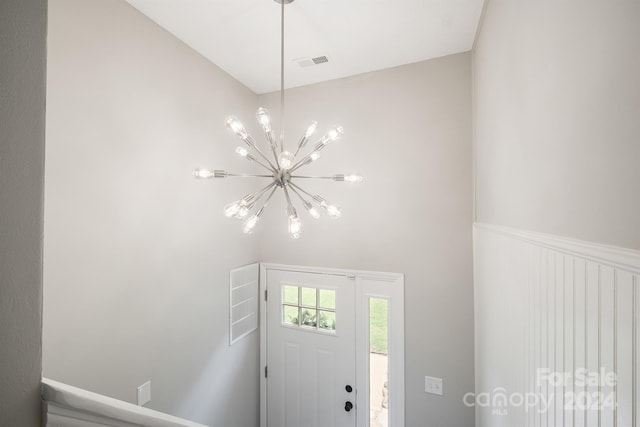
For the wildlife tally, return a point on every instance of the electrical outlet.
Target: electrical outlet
(144, 393)
(433, 385)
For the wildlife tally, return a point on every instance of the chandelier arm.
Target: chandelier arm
(253, 159)
(286, 194)
(312, 177)
(319, 146)
(259, 151)
(247, 175)
(272, 144)
(302, 162)
(264, 205)
(303, 142)
(273, 150)
(298, 164)
(260, 193)
(299, 195)
(301, 189)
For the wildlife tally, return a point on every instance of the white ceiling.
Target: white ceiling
(357, 36)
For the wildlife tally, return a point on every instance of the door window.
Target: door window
(309, 307)
(378, 362)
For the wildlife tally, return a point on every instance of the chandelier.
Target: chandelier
(282, 172)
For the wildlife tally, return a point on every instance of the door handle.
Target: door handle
(348, 406)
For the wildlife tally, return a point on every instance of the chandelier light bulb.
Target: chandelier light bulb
(314, 156)
(312, 210)
(311, 129)
(263, 118)
(242, 151)
(243, 211)
(232, 208)
(333, 135)
(295, 226)
(242, 207)
(203, 173)
(285, 160)
(348, 178)
(334, 211)
(250, 224)
(236, 126)
(353, 178)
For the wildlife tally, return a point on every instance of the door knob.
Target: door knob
(349, 389)
(348, 406)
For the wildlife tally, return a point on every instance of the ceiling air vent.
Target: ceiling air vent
(310, 62)
(304, 63)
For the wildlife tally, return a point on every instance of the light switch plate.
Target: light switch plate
(144, 393)
(433, 385)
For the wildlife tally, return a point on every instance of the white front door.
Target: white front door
(311, 352)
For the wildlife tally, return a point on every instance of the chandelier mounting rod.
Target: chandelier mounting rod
(282, 3)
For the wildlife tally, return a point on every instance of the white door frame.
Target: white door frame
(367, 284)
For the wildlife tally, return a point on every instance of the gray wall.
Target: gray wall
(22, 112)
(557, 102)
(408, 130)
(136, 251)
(557, 146)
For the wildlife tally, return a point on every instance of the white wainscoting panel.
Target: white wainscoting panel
(555, 319)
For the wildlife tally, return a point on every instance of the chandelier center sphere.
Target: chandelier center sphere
(282, 178)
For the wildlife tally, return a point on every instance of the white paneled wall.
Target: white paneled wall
(555, 320)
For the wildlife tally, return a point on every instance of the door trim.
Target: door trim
(367, 284)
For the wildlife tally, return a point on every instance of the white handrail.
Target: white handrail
(62, 400)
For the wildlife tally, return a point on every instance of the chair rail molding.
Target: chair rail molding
(614, 256)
